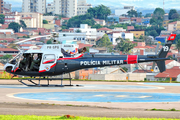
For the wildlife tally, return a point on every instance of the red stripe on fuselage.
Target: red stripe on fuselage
(71, 58)
(53, 65)
(132, 59)
(16, 69)
(49, 61)
(50, 67)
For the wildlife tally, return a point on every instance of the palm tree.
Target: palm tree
(178, 45)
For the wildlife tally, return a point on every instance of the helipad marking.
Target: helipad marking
(99, 95)
(121, 96)
(144, 96)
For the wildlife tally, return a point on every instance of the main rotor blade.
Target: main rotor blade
(157, 48)
(31, 39)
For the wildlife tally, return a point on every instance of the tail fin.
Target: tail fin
(166, 48)
(161, 65)
(164, 51)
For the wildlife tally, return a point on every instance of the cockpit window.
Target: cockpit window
(49, 58)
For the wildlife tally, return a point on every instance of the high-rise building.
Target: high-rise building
(65, 7)
(34, 6)
(1, 6)
(7, 7)
(50, 7)
(82, 7)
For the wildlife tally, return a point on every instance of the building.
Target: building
(30, 22)
(130, 27)
(12, 17)
(8, 51)
(34, 6)
(137, 33)
(50, 7)
(136, 20)
(174, 26)
(82, 7)
(125, 35)
(169, 73)
(165, 24)
(101, 22)
(1, 6)
(86, 34)
(37, 16)
(112, 19)
(104, 30)
(7, 7)
(125, 20)
(65, 7)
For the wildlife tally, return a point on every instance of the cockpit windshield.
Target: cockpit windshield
(16, 58)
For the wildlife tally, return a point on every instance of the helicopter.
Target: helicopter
(53, 60)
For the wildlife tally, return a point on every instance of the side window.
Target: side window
(49, 58)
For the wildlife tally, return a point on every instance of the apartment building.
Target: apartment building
(174, 26)
(7, 7)
(12, 17)
(65, 7)
(30, 22)
(50, 7)
(1, 6)
(82, 7)
(37, 16)
(34, 6)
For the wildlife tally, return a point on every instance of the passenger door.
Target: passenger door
(48, 63)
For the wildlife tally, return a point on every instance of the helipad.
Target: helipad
(85, 86)
(101, 96)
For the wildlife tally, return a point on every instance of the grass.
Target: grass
(154, 109)
(67, 117)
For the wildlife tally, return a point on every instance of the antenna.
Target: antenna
(163, 4)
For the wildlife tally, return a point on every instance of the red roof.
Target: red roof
(149, 47)
(140, 47)
(26, 45)
(166, 62)
(130, 27)
(169, 73)
(20, 34)
(173, 22)
(142, 71)
(65, 18)
(104, 29)
(4, 26)
(8, 49)
(81, 45)
(138, 20)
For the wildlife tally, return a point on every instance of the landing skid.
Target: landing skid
(34, 84)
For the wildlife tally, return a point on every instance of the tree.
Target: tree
(132, 13)
(171, 12)
(81, 19)
(97, 26)
(78, 31)
(49, 42)
(99, 12)
(45, 22)
(153, 33)
(147, 15)
(2, 16)
(104, 41)
(39, 33)
(23, 25)
(175, 16)
(157, 18)
(15, 26)
(6, 57)
(124, 45)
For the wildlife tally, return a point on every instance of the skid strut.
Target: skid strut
(34, 84)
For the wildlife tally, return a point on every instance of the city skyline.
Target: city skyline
(169, 4)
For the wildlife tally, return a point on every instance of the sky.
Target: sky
(147, 4)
